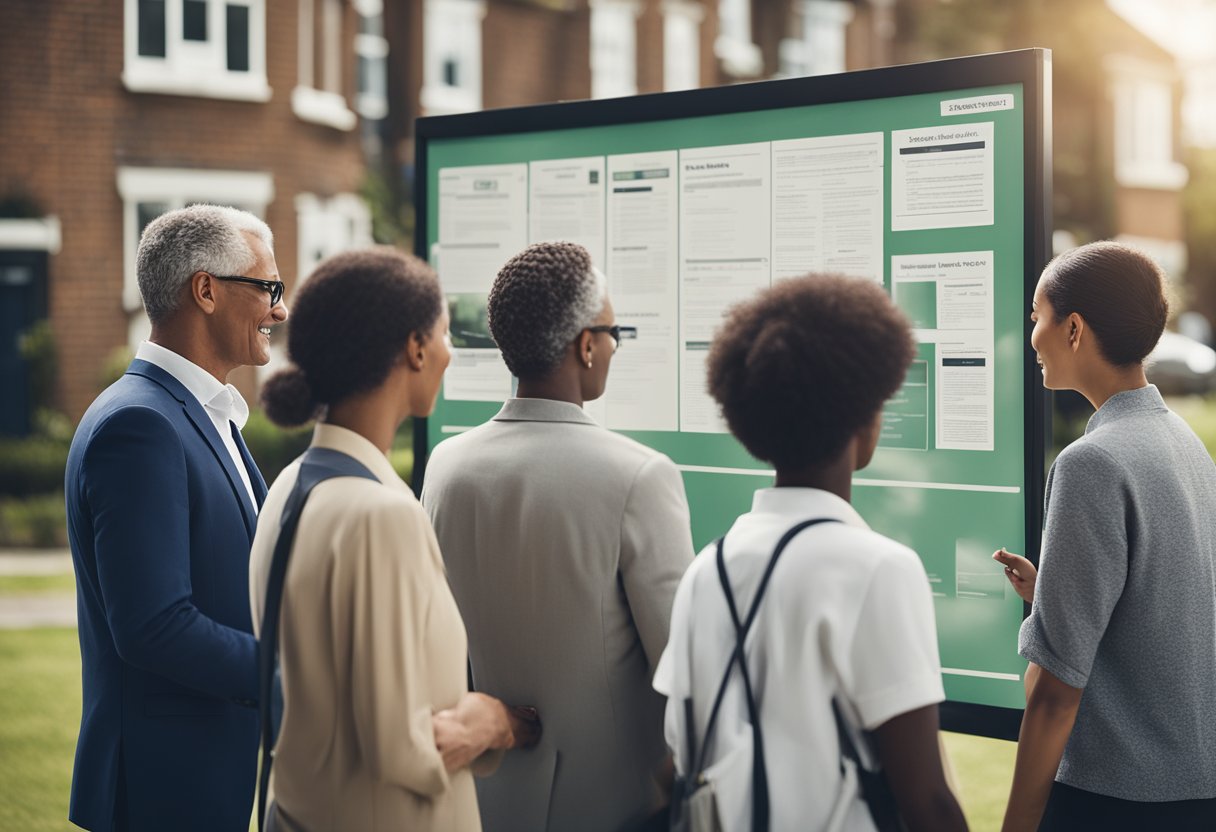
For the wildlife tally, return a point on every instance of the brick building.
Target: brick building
(451, 56)
(117, 110)
(1117, 109)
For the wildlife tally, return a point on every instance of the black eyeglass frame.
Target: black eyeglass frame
(274, 287)
(619, 333)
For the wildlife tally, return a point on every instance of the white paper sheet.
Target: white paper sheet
(828, 206)
(942, 177)
(643, 273)
(483, 222)
(725, 257)
(949, 298)
(566, 202)
(477, 375)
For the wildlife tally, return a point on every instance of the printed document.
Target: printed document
(643, 274)
(725, 199)
(483, 222)
(827, 206)
(566, 203)
(942, 177)
(949, 299)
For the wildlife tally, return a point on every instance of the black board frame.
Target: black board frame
(1029, 67)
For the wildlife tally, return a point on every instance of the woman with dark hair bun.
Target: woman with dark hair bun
(379, 729)
(1120, 724)
(564, 543)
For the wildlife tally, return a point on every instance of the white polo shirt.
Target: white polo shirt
(223, 403)
(847, 613)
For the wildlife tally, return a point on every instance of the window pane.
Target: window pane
(194, 19)
(145, 212)
(371, 25)
(238, 38)
(152, 28)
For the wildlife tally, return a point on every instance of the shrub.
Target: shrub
(39, 521)
(272, 447)
(33, 465)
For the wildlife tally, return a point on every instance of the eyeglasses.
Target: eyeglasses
(618, 333)
(274, 287)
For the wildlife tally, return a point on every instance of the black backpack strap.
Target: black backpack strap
(317, 466)
(760, 801)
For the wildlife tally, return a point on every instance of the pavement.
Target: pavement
(20, 611)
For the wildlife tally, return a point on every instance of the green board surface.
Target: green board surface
(953, 506)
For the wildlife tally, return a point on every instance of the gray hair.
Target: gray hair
(540, 301)
(201, 238)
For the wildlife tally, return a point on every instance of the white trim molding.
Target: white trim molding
(31, 235)
(322, 107)
(682, 21)
(197, 68)
(172, 188)
(452, 36)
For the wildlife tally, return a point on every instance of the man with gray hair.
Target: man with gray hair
(162, 501)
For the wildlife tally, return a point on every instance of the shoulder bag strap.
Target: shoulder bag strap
(760, 802)
(317, 466)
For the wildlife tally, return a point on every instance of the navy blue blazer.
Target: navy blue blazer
(160, 527)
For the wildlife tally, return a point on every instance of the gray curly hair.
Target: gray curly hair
(201, 238)
(540, 301)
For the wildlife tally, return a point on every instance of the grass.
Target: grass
(39, 720)
(40, 715)
(983, 771)
(36, 584)
(1200, 414)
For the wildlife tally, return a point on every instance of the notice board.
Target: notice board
(932, 179)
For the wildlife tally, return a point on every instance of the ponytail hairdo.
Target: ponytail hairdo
(349, 323)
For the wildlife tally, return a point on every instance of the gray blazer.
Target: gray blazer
(564, 544)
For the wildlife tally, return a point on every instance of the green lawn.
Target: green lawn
(983, 769)
(31, 584)
(40, 715)
(39, 719)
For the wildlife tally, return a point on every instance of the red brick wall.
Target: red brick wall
(532, 55)
(69, 123)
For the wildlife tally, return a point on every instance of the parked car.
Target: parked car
(1180, 365)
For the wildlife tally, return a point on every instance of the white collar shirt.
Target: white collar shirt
(223, 403)
(848, 614)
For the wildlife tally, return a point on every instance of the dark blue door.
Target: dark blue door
(22, 303)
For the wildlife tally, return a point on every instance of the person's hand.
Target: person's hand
(478, 723)
(1020, 572)
(462, 734)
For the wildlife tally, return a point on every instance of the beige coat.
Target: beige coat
(371, 644)
(564, 544)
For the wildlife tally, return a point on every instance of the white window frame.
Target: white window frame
(327, 226)
(176, 188)
(197, 69)
(740, 57)
(43, 234)
(682, 45)
(614, 48)
(1143, 97)
(325, 105)
(821, 47)
(373, 49)
(451, 28)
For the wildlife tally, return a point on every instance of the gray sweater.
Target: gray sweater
(1125, 605)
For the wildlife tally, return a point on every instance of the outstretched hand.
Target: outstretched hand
(1020, 572)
